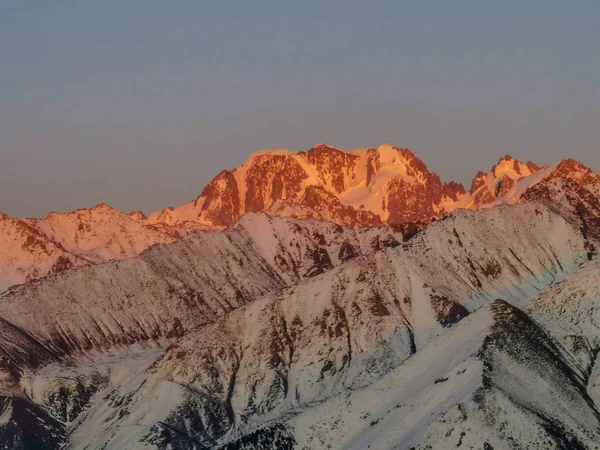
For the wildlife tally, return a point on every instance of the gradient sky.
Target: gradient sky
(139, 103)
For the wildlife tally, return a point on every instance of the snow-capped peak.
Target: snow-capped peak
(390, 155)
(138, 215)
(575, 171)
(487, 188)
(379, 181)
(511, 166)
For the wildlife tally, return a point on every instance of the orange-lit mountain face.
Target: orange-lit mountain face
(362, 188)
(385, 186)
(34, 248)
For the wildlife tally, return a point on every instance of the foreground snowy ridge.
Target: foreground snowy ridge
(496, 380)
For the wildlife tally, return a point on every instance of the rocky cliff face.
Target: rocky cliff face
(488, 187)
(24, 425)
(359, 188)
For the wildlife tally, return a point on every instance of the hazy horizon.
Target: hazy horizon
(140, 105)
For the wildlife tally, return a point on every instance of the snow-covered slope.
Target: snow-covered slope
(495, 381)
(355, 323)
(571, 311)
(34, 248)
(577, 203)
(26, 253)
(101, 233)
(341, 330)
(169, 290)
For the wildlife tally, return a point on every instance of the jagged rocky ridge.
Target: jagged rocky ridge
(369, 187)
(170, 290)
(34, 248)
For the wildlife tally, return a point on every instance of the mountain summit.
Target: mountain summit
(360, 188)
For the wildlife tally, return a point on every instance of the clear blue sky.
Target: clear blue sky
(139, 103)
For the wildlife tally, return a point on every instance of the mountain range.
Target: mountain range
(320, 299)
(385, 186)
